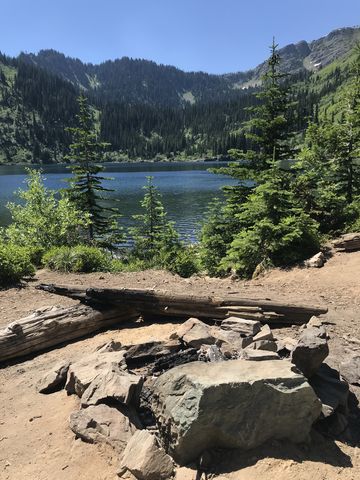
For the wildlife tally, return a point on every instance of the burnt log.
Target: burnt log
(150, 302)
(348, 242)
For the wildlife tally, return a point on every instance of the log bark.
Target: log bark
(150, 302)
(53, 326)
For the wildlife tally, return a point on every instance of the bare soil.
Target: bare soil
(37, 444)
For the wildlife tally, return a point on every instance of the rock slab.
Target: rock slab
(103, 424)
(54, 379)
(310, 351)
(237, 404)
(145, 459)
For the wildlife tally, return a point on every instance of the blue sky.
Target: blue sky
(215, 36)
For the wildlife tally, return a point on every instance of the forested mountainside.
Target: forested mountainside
(147, 110)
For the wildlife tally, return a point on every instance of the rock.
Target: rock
(83, 372)
(116, 385)
(144, 353)
(201, 406)
(332, 392)
(251, 354)
(232, 340)
(241, 325)
(310, 351)
(210, 353)
(145, 459)
(317, 261)
(264, 334)
(350, 369)
(285, 346)
(314, 322)
(103, 424)
(54, 379)
(194, 333)
(268, 345)
(112, 346)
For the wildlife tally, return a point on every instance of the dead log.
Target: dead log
(149, 302)
(348, 242)
(52, 326)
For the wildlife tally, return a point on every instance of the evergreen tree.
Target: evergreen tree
(154, 236)
(86, 185)
(268, 226)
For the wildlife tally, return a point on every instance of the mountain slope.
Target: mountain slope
(142, 81)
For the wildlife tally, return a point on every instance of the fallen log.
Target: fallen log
(348, 242)
(150, 302)
(52, 326)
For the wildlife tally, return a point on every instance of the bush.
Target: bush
(80, 259)
(15, 264)
(183, 261)
(128, 265)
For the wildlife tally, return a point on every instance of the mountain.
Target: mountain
(151, 111)
(143, 81)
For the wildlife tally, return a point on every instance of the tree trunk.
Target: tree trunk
(52, 326)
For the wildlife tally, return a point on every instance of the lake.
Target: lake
(187, 189)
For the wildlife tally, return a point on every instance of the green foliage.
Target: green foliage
(79, 259)
(86, 189)
(41, 220)
(154, 234)
(15, 264)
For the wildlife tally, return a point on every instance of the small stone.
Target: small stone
(268, 345)
(241, 325)
(264, 334)
(194, 333)
(54, 379)
(145, 459)
(258, 355)
(317, 261)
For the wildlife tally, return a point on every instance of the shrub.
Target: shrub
(15, 264)
(182, 261)
(78, 259)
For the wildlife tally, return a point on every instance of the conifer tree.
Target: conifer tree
(155, 234)
(86, 185)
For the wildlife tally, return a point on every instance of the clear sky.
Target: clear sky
(215, 36)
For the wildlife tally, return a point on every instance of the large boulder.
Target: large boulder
(145, 459)
(117, 385)
(233, 404)
(310, 351)
(103, 424)
(83, 372)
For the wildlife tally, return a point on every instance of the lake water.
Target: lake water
(187, 189)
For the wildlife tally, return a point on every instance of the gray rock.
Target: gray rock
(241, 325)
(200, 406)
(332, 392)
(210, 353)
(268, 345)
(54, 379)
(230, 339)
(285, 346)
(145, 459)
(317, 261)
(103, 424)
(116, 385)
(83, 372)
(350, 369)
(314, 322)
(112, 346)
(194, 333)
(264, 334)
(251, 354)
(310, 351)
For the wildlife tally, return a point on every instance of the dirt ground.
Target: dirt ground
(37, 444)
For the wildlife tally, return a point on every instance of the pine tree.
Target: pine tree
(86, 185)
(269, 227)
(155, 235)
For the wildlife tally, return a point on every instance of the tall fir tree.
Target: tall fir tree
(86, 185)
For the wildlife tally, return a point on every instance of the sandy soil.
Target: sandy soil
(36, 443)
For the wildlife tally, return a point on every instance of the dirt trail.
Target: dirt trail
(36, 443)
